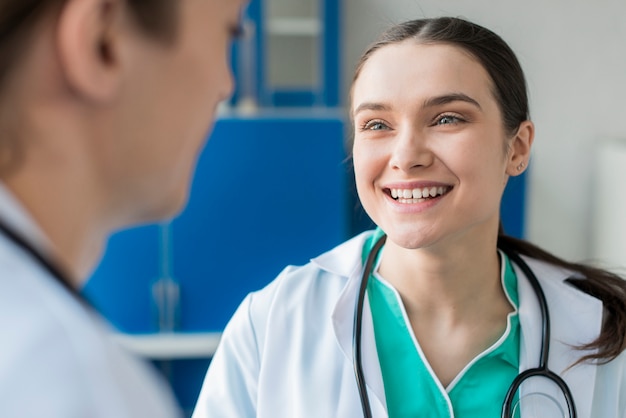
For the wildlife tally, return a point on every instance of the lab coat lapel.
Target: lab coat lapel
(343, 322)
(346, 261)
(576, 319)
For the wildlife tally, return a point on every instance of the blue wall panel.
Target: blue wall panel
(268, 192)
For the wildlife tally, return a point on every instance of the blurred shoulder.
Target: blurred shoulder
(62, 350)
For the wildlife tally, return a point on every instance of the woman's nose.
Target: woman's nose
(410, 151)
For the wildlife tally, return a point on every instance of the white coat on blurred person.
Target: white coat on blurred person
(104, 108)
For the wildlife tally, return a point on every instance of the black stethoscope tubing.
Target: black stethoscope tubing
(542, 370)
(46, 264)
(358, 319)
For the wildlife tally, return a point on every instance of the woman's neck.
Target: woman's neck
(453, 298)
(450, 281)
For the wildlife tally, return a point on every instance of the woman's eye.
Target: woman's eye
(448, 120)
(374, 125)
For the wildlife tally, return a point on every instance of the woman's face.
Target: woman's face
(429, 149)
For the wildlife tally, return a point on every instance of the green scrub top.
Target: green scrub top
(411, 387)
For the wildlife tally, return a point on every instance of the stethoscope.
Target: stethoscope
(541, 371)
(45, 263)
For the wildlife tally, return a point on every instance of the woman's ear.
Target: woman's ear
(88, 43)
(519, 149)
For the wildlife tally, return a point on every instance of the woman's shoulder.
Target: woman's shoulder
(322, 277)
(543, 268)
(309, 291)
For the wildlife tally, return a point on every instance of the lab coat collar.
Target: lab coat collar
(575, 319)
(345, 261)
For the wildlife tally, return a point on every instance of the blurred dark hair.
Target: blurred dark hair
(510, 92)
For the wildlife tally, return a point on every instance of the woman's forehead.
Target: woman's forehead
(412, 70)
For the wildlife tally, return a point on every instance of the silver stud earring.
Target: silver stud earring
(521, 166)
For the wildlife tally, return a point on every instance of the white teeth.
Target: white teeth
(413, 195)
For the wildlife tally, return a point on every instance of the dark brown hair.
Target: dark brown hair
(510, 92)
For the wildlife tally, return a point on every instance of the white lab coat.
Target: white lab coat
(287, 351)
(57, 359)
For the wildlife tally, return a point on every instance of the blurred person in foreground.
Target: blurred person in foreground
(104, 108)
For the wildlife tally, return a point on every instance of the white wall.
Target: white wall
(574, 56)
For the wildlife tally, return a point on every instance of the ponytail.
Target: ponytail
(601, 284)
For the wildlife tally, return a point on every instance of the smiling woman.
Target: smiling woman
(446, 133)
(437, 312)
(104, 108)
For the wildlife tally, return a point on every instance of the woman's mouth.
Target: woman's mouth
(417, 195)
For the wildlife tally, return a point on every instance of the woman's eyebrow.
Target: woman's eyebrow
(449, 98)
(371, 106)
(430, 102)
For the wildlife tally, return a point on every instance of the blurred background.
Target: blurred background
(274, 184)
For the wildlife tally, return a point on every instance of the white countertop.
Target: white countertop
(171, 346)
